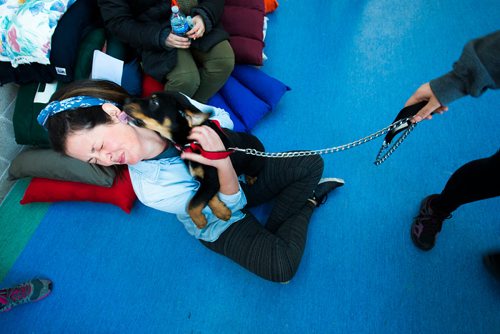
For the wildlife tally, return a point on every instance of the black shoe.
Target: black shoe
(427, 225)
(492, 263)
(324, 186)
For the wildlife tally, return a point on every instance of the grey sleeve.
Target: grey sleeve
(477, 70)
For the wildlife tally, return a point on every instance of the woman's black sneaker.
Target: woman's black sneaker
(324, 186)
(427, 225)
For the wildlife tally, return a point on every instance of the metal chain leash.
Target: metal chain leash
(380, 157)
(383, 157)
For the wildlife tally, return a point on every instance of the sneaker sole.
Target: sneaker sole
(332, 179)
(414, 238)
(417, 243)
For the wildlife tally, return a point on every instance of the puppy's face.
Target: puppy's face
(167, 113)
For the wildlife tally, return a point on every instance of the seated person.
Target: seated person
(197, 65)
(85, 121)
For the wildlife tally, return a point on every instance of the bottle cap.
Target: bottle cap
(175, 9)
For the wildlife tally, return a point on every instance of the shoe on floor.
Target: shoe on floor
(427, 225)
(26, 292)
(324, 186)
(492, 263)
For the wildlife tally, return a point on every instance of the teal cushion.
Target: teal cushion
(27, 131)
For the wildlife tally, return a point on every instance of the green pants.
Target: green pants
(201, 74)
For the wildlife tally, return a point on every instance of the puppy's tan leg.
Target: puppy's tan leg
(219, 208)
(250, 180)
(197, 216)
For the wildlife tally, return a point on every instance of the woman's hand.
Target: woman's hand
(425, 93)
(179, 42)
(198, 28)
(210, 141)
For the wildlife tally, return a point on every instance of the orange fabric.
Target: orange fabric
(270, 5)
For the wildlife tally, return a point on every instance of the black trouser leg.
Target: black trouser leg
(274, 251)
(474, 181)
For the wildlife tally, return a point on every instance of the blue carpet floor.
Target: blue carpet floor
(351, 66)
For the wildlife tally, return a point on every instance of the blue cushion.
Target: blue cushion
(132, 77)
(267, 88)
(218, 101)
(248, 107)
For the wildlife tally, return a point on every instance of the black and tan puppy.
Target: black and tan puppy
(172, 115)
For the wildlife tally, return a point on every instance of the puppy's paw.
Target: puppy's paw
(250, 180)
(198, 217)
(219, 209)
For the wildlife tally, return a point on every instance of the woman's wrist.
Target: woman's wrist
(228, 179)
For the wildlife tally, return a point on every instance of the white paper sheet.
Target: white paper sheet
(106, 67)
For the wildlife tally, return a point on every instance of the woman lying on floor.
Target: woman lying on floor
(85, 121)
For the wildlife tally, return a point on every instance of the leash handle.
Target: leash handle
(406, 112)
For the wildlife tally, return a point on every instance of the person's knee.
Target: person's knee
(184, 82)
(318, 161)
(313, 163)
(219, 67)
(286, 278)
(286, 275)
(284, 270)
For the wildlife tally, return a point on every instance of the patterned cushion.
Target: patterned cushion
(27, 28)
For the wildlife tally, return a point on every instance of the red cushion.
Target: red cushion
(247, 50)
(120, 193)
(150, 86)
(253, 4)
(244, 21)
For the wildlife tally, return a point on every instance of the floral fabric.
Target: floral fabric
(26, 28)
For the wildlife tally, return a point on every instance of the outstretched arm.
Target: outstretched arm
(477, 70)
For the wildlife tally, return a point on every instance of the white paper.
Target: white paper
(106, 67)
(43, 96)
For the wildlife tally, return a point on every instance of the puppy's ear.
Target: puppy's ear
(194, 116)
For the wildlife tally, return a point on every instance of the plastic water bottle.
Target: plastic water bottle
(179, 22)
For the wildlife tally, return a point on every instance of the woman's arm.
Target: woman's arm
(477, 70)
(210, 141)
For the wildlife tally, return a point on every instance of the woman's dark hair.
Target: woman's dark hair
(66, 122)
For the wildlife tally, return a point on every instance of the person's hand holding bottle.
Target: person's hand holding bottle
(197, 29)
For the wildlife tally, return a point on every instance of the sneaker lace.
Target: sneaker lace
(323, 200)
(19, 294)
(433, 221)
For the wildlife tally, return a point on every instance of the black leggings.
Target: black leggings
(474, 181)
(273, 251)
